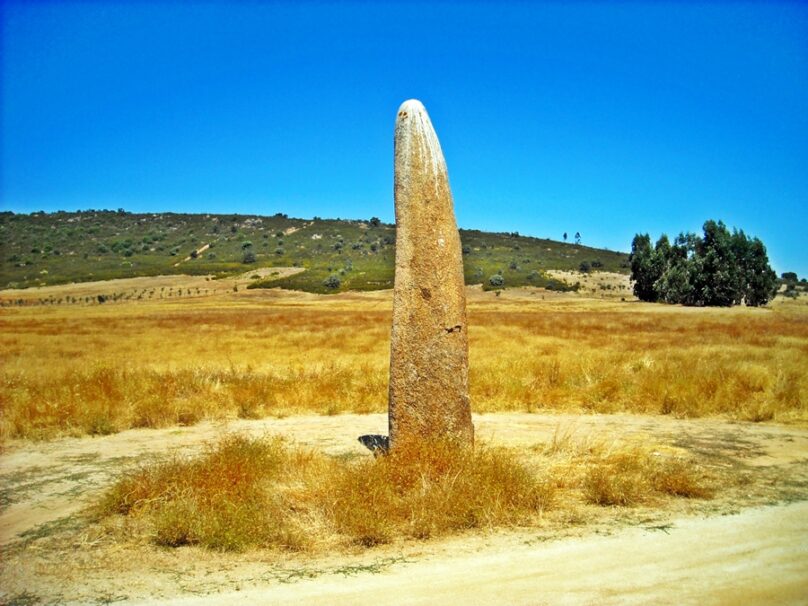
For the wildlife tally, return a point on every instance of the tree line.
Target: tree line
(720, 268)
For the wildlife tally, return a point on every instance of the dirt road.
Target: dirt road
(757, 557)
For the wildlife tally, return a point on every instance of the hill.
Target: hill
(55, 248)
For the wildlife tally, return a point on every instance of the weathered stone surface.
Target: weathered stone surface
(429, 350)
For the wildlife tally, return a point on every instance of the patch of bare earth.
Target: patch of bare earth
(748, 544)
(600, 284)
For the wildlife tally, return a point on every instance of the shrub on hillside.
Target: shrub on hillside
(332, 282)
(497, 281)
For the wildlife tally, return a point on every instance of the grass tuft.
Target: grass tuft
(216, 499)
(629, 475)
(429, 489)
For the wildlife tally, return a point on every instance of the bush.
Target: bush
(497, 281)
(249, 257)
(584, 267)
(332, 282)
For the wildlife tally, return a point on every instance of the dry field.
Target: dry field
(98, 369)
(152, 506)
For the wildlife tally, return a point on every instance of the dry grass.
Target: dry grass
(248, 492)
(425, 490)
(77, 370)
(629, 476)
(219, 499)
(608, 471)
(259, 492)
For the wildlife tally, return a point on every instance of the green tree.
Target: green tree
(717, 268)
(760, 281)
(642, 268)
(674, 286)
(718, 277)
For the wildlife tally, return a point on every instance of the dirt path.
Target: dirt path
(198, 251)
(757, 557)
(731, 547)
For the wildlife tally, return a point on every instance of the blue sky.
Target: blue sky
(603, 118)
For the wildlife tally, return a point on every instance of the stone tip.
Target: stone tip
(413, 124)
(412, 106)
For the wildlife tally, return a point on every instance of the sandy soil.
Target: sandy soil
(747, 545)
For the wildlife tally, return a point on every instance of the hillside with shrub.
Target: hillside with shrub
(41, 249)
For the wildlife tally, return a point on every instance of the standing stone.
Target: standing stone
(429, 396)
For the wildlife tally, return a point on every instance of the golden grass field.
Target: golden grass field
(284, 483)
(98, 369)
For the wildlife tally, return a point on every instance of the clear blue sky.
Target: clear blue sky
(603, 118)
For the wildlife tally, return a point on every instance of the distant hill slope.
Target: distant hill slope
(61, 247)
